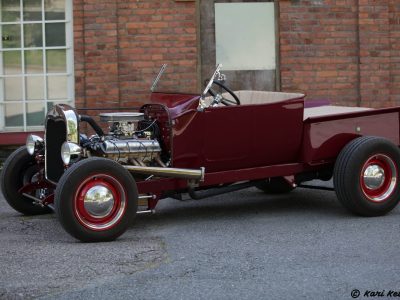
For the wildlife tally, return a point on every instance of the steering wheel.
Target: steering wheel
(218, 98)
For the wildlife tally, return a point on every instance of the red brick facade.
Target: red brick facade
(343, 50)
(120, 45)
(346, 51)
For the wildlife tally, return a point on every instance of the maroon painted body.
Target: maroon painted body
(232, 137)
(238, 146)
(248, 142)
(324, 137)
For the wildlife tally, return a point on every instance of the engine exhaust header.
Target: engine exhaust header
(190, 174)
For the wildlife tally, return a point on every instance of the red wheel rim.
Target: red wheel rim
(378, 178)
(100, 202)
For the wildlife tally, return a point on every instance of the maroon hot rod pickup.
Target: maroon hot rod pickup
(204, 145)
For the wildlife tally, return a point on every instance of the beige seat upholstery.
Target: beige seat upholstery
(259, 97)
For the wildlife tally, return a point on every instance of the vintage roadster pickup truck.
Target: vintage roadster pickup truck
(201, 145)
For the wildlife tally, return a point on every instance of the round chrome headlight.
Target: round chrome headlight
(32, 143)
(70, 152)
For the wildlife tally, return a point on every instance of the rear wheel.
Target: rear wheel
(19, 169)
(366, 176)
(275, 185)
(96, 200)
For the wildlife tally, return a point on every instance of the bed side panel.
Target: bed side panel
(325, 139)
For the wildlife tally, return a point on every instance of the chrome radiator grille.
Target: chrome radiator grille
(61, 125)
(54, 138)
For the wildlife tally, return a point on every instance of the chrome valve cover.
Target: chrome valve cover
(132, 148)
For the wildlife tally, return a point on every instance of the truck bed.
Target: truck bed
(329, 110)
(327, 129)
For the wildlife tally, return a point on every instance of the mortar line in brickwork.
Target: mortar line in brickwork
(84, 53)
(198, 44)
(358, 45)
(118, 52)
(391, 82)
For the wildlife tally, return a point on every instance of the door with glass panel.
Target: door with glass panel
(241, 35)
(36, 61)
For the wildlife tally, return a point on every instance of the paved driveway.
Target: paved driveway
(243, 245)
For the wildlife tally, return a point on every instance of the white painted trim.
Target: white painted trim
(33, 74)
(23, 65)
(35, 48)
(69, 41)
(2, 84)
(34, 22)
(44, 57)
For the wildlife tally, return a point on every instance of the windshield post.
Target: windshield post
(202, 104)
(157, 79)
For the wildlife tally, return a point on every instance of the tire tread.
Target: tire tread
(346, 168)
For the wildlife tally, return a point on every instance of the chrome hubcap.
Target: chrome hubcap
(99, 201)
(379, 178)
(374, 177)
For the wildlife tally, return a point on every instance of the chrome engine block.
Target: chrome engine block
(123, 142)
(145, 150)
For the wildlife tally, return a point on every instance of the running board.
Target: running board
(145, 212)
(315, 187)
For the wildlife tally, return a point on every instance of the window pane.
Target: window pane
(35, 114)
(12, 62)
(56, 61)
(13, 114)
(10, 11)
(32, 10)
(33, 35)
(11, 36)
(34, 88)
(55, 34)
(13, 88)
(33, 61)
(50, 104)
(57, 87)
(245, 35)
(55, 9)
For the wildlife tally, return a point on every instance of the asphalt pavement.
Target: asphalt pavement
(242, 245)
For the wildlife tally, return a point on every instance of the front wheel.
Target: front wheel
(366, 176)
(96, 200)
(19, 169)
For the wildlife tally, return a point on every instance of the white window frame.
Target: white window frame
(69, 35)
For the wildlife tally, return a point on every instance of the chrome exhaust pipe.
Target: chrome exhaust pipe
(189, 174)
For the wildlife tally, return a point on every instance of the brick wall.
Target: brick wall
(344, 50)
(394, 22)
(120, 46)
